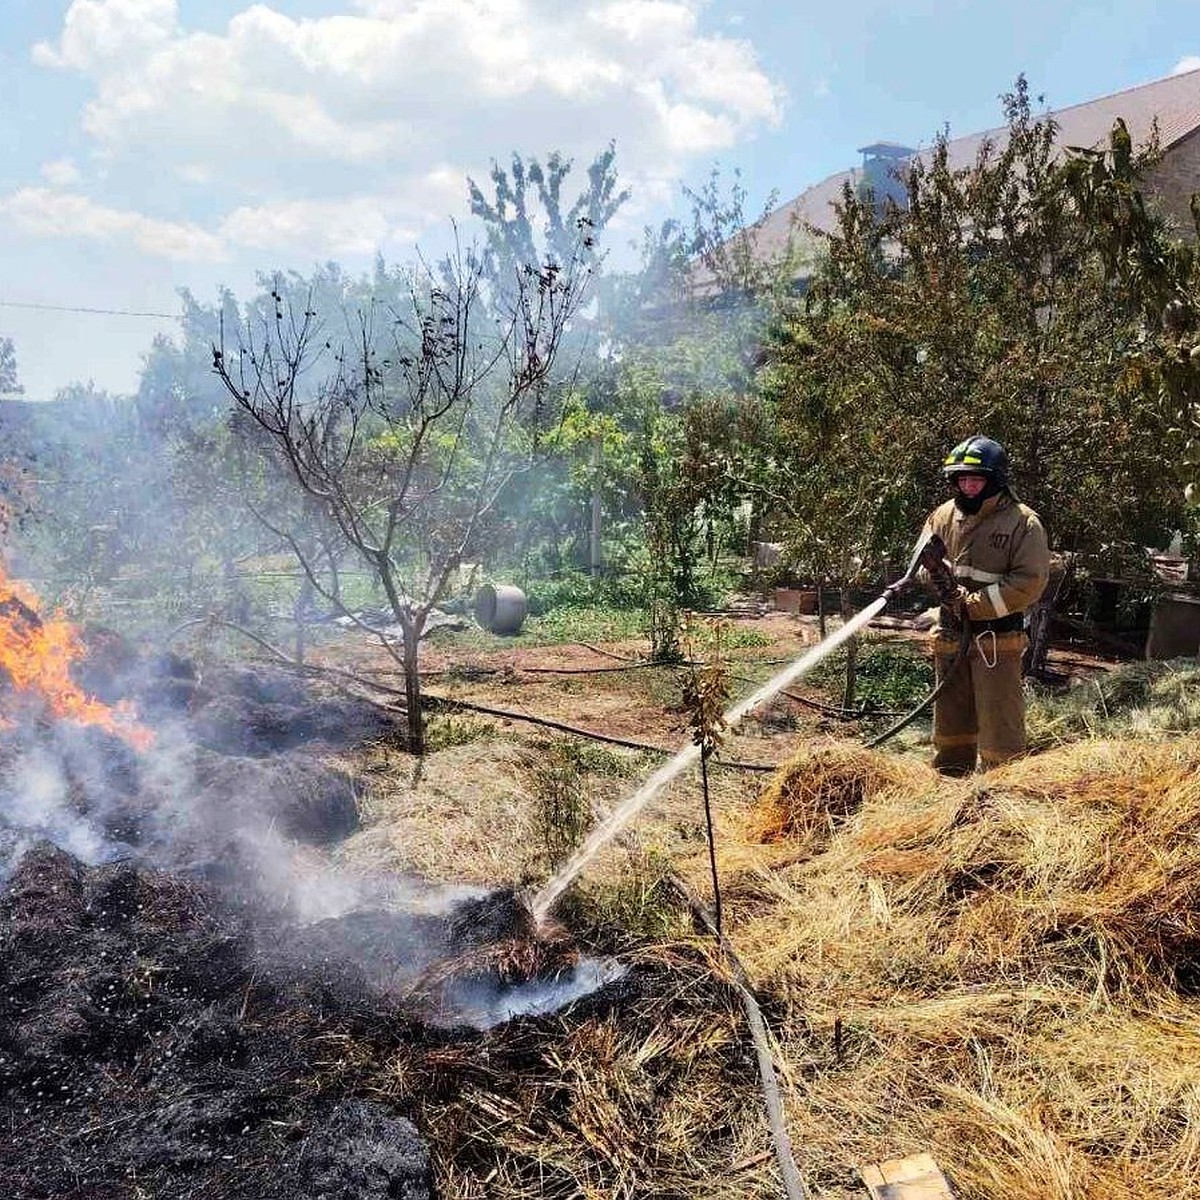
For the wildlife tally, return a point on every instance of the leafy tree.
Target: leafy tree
(979, 306)
(684, 334)
(15, 484)
(1157, 275)
(524, 219)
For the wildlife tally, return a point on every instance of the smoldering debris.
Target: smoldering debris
(480, 963)
(237, 753)
(305, 798)
(361, 1150)
(150, 1032)
(141, 1044)
(178, 963)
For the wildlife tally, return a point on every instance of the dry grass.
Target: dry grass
(459, 816)
(820, 788)
(647, 1100)
(999, 970)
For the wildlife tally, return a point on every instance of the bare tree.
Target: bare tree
(405, 432)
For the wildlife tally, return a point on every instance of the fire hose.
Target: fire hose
(929, 555)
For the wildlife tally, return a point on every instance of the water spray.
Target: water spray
(928, 554)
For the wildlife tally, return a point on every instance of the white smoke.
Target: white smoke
(36, 804)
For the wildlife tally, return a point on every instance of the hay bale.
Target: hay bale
(819, 788)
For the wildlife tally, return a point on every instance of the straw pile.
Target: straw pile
(815, 792)
(1003, 971)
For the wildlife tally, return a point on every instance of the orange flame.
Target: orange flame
(36, 654)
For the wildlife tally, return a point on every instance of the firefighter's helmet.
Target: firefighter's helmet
(978, 456)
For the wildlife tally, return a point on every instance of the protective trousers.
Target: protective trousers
(982, 709)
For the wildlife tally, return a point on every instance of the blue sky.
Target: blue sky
(149, 145)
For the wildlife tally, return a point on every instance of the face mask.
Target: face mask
(970, 505)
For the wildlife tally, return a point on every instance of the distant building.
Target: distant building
(1172, 105)
(882, 174)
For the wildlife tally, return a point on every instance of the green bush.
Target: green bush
(450, 729)
(890, 675)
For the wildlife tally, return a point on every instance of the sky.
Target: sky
(152, 145)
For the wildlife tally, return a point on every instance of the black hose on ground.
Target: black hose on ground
(960, 656)
(764, 1050)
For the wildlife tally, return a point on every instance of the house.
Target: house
(1172, 105)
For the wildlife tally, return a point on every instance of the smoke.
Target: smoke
(485, 1006)
(35, 804)
(192, 799)
(229, 793)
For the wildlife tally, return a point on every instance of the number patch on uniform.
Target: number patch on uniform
(998, 541)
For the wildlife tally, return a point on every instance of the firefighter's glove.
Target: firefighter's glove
(953, 611)
(940, 573)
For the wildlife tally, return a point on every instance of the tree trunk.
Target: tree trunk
(1034, 663)
(303, 604)
(851, 687)
(412, 687)
(595, 563)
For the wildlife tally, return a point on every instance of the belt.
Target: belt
(1012, 623)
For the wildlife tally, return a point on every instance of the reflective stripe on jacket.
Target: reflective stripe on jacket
(999, 554)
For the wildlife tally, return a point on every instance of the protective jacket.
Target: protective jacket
(999, 556)
(1001, 561)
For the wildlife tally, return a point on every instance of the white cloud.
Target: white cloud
(108, 32)
(44, 212)
(281, 141)
(275, 108)
(276, 141)
(359, 226)
(1189, 62)
(62, 172)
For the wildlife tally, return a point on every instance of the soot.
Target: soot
(166, 1022)
(143, 1051)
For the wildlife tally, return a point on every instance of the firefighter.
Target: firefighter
(996, 548)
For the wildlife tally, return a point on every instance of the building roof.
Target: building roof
(1173, 102)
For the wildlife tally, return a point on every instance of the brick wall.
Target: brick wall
(1175, 179)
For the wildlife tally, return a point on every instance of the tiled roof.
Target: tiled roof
(1174, 102)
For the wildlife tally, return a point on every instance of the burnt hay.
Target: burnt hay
(141, 1049)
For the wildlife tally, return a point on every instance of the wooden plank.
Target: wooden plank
(917, 1177)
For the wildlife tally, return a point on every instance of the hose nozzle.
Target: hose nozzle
(929, 554)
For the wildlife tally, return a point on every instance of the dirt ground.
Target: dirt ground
(469, 813)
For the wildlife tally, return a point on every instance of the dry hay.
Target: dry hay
(817, 789)
(458, 814)
(653, 1098)
(1002, 970)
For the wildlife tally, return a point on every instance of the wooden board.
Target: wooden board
(915, 1178)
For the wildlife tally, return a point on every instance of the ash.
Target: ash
(190, 1004)
(143, 1052)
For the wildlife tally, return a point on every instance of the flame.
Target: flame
(36, 654)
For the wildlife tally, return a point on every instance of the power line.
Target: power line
(104, 312)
